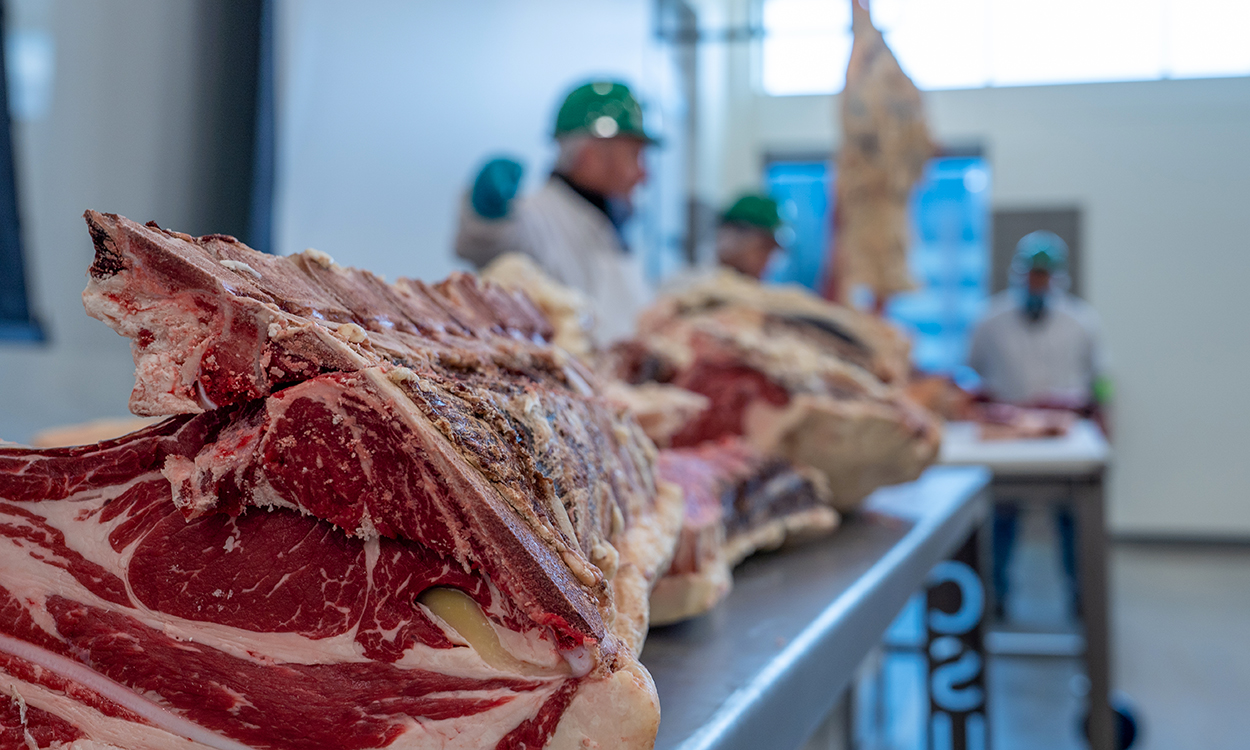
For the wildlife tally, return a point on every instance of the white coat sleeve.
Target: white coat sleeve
(978, 350)
(1099, 361)
(480, 240)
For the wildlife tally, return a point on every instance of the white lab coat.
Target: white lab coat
(1056, 358)
(574, 242)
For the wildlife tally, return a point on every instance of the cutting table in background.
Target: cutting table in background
(1049, 471)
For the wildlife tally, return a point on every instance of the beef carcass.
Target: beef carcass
(738, 502)
(885, 145)
(801, 379)
(662, 410)
(390, 516)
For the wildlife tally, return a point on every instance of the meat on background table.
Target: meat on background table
(1050, 471)
(766, 667)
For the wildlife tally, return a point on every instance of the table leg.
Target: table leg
(1091, 539)
(954, 618)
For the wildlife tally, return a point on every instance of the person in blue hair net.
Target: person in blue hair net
(1039, 346)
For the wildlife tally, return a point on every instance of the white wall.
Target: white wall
(120, 136)
(387, 109)
(1162, 172)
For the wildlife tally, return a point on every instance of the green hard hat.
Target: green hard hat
(1041, 251)
(755, 210)
(602, 109)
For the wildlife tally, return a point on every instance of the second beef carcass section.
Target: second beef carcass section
(885, 146)
(738, 502)
(801, 379)
(390, 516)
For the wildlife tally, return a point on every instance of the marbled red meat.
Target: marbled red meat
(25, 727)
(275, 603)
(738, 501)
(388, 515)
(731, 388)
(801, 379)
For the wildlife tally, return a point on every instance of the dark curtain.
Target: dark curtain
(16, 320)
(260, 219)
(238, 101)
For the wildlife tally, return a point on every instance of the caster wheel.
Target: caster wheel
(1125, 723)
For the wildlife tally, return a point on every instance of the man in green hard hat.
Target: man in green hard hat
(747, 236)
(572, 225)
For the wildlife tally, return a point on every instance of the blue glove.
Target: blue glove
(495, 187)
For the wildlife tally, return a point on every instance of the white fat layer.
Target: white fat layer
(485, 729)
(239, 266)
(119, 694)
(579, 659)
(109, 733)
(530, 646)
(322, 259)
(620, 712)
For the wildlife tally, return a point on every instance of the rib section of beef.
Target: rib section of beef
(273, 628)
(390, 515)
(738, 502)
(213, 322)
(800, 379)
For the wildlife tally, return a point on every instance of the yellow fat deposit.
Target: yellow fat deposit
(465, 616)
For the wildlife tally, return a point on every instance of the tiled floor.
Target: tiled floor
(1181, 624)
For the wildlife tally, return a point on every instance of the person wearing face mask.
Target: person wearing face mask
(572, 225)
(1038, 346)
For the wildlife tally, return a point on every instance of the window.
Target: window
(801, 188)
(949, 254)
(806, 46)
(950, 261)
(952, 44)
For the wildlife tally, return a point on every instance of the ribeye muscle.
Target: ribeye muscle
(382, 515)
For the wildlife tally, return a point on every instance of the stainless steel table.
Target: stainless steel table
(766, 666)
(1049, 471)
